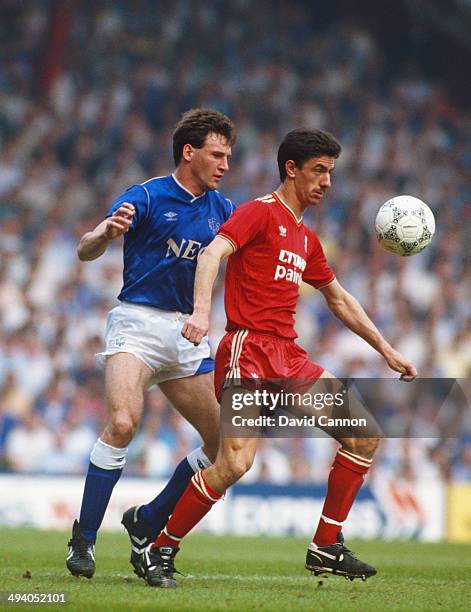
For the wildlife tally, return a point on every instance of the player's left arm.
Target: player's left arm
(347, 308)
(196, 326)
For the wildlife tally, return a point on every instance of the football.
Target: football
(404, 225)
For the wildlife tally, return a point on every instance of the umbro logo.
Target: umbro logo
(254, 375)
(171, 216)
(282, 230)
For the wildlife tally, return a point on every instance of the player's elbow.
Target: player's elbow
(85, 250)
(82, 254)
(81, 248)
(209, 258)
(342, 304)
(338, 307)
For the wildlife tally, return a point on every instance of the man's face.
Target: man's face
(209, 164)
(313, 179)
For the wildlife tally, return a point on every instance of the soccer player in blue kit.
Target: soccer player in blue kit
(166, 222)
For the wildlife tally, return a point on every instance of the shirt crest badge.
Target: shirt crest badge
(214, 225)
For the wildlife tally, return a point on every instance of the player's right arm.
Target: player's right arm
(94, 243)
(196, 327)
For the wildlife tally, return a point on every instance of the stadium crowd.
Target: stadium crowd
(70, 144)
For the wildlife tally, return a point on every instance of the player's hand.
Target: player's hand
(119, 222)
(400, 364)
(196, 328)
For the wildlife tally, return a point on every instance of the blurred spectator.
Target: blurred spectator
(14, 400)
(29, 444)
(462, 470)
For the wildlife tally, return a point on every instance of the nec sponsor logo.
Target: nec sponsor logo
(187, 249)
(293, 274)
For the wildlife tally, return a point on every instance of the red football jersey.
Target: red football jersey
(274, 252)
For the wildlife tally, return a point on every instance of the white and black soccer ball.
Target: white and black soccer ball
(404, 225)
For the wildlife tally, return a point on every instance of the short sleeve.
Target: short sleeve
(138, 196)
(318, 273)
(229, 207)
(243, 226)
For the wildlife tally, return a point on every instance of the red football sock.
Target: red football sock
(345, 479)
(196, 501)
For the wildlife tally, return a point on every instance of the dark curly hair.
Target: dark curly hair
(301, 144)
(195, 125)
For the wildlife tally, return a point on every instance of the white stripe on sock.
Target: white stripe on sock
(326, 519)
(197, 485)
(350, 458)
(169, 535)
(354, 456)
(205, 490)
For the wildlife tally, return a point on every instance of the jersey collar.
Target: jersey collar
(280, 200)
(183, 191)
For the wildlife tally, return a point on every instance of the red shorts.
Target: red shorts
(244, 354)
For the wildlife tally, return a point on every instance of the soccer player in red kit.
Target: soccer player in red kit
(270, 252)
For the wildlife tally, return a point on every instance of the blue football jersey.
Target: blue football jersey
(170, 228)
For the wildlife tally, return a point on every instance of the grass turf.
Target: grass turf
(228, 573)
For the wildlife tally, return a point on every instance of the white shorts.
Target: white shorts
(154, 336)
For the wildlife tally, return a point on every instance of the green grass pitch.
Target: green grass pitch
(228, 573)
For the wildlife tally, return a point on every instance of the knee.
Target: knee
(234, 467)
(120, 429)
(365, 447)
